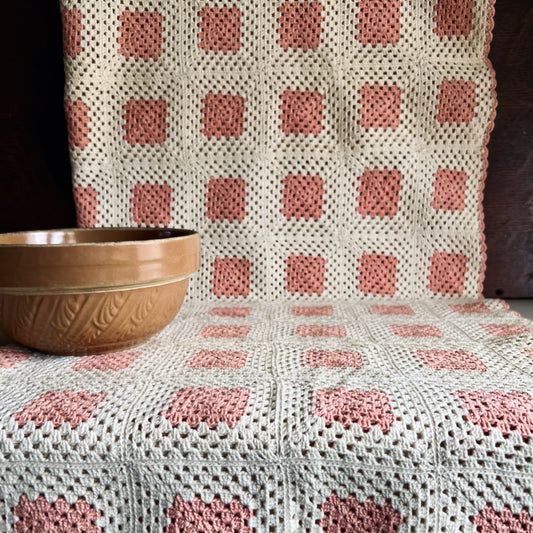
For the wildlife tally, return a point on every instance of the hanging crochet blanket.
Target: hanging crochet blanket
(334, 369)
(322, 148)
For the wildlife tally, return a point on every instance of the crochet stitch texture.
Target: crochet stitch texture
(333, 368)
(279, 417)
(352, 133)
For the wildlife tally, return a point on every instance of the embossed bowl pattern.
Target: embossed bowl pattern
(87, 291)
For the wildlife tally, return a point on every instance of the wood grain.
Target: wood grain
(509, 187)
(36, 190)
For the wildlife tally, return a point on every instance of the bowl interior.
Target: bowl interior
(90, 236)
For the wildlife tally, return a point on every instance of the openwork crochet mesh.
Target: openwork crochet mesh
(322, 148)
(413, 416)
(335, 372)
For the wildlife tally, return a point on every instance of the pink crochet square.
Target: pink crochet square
(333, 359)
(230, 277)
(504, 410)
(449, 190)
(305, 274)
(447, 273)
(207, 404)
(488, 520)
(234, 312)
(141, 34)
(317, 330)
(350, 516)
(391, 310)
(301, 112)
(218, 359)
(454, 18)
(302, 197)
(145, 122)
(529, 352)
(377, 274)
(108, 361)
(312, 310)
(221, 332)
(476, 307)
(379, 192)
(72, 27)
(415, 330)
(450, 360)
(151, 204)
(457, 101)
(223, 115)
(60, 406)
(86, 200)
(299, 24)
(378, 22)
(12, 355)
(380, 106)
(40, 516)
(505, 330)
(77, 115)
(366, 408)
(214, 517)
(220, 29)
(226, 199)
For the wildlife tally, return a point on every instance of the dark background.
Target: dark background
(36, 191)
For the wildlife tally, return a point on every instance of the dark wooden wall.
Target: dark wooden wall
(509, 187)
(35, 188)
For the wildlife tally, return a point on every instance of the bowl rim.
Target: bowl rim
(181, 234)
(99, 265)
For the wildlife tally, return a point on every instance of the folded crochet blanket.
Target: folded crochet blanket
(334, 370)
(355, 417)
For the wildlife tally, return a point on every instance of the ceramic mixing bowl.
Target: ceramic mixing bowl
(87, 291)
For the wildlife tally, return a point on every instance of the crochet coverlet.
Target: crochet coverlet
(354, 416)
(334, 369)
(321, 148)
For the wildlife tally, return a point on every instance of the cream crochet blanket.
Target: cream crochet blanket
(334, 369)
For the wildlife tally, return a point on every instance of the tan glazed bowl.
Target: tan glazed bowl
(88, 291)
